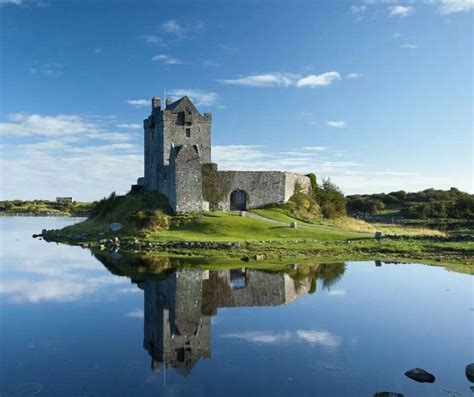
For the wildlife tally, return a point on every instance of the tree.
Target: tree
(331, 200)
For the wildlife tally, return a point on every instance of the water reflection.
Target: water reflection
(179, 303)
(178, 309)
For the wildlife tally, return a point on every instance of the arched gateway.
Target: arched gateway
(238, 200)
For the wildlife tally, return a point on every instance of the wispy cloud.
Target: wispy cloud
(263, 80)
(455, 6)
(336, 124)
(209, 63)
(313, 337)
(284, 80)
(323, 338)
(164, 58)
(131, 126)
(95, 159)
(411, 46)
(49, 69)
(138, 313)
(358, 11)
(197, 96)
(69, 128)
(172, 26)
(155, 40)
(401, 11)
(321, 80)
(139, 103)
(354, 76)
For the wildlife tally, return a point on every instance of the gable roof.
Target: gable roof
(180, 104)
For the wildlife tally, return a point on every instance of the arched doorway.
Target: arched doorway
(238, 200)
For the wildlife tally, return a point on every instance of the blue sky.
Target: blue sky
(375, 94)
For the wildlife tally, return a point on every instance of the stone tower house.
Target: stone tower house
(178, 164)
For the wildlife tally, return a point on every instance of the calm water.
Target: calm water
(69, 326)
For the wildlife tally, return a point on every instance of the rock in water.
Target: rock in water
(420, 375)
(115, 227)
(387, 394)
(470, 372)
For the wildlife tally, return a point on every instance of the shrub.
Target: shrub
(303, 206)
(331, 200)
(153, 220)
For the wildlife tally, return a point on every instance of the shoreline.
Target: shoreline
(427, 251)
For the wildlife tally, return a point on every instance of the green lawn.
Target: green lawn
(232, 227)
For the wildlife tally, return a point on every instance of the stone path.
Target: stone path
(300, 225)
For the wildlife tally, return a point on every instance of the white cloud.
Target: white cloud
(336, 124)
(401, 11)
(49, 69)
(353, 76)
(171, 26)
(67, 128)
(136, 314)
(411, 46)
(163, 58)
(131, 126)
(66, 155)
(263, 80)
(314, 80)
(198, 97)
(455, 6)
(358, 9)
(209, 63)
(139, 103)
(154, 40)
(396, 35)
(284, 80)
(97, 50)
(314, 148)
(323, 338)
(260, 336)
(337, 292)
(313, 337)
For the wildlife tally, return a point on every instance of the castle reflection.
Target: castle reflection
(178, 309)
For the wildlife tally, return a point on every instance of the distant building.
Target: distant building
(63, 200)
(178, 164)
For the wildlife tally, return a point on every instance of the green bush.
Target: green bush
(151, 220)
(331, 200)
(314, 184)
(303, 206)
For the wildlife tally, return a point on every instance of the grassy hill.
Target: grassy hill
(148, 224)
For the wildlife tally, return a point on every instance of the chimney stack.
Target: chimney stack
(155, 103)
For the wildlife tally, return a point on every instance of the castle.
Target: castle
(178, 164)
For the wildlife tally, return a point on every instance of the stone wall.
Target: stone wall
(261, 187)
(291, 180)
(185, 179)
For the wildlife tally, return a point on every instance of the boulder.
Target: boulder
(470, 372)
(115, 227)
(420, 375)
(245, 258)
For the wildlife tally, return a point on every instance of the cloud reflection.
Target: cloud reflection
(314, 337)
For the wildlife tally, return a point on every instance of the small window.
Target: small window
(165, 176)
(188, 132)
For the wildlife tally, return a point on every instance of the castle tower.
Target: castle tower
(179, 124)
